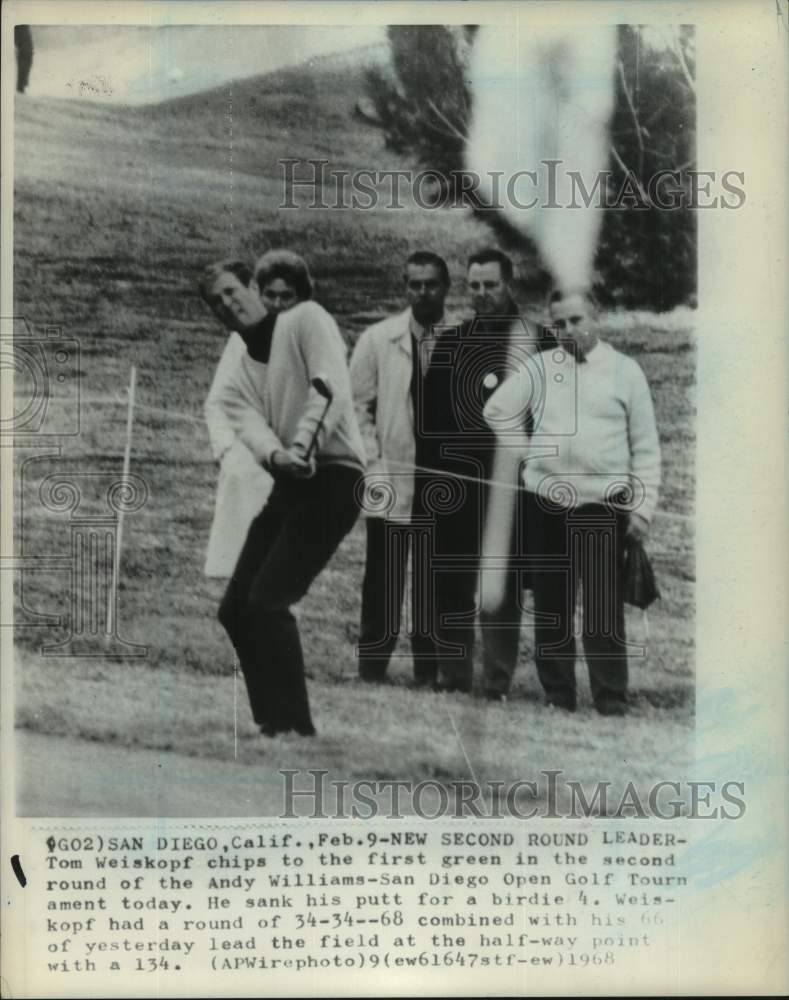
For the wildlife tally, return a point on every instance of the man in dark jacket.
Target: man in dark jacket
(467, 365)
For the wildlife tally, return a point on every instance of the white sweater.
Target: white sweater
(594, 428)
(273, 406)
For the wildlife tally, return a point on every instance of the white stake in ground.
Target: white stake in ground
(112, 597)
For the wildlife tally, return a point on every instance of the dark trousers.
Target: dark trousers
(288, 544)
(501, 630)
(388, 547)
(459, 535)
(455, 613)
(456, 609)
(585, 543)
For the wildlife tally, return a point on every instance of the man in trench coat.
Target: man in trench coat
(243, 485)
(388, 364)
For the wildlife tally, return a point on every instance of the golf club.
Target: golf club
(322, 387)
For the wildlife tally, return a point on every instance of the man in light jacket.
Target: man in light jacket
(591, 468)
(388, 363)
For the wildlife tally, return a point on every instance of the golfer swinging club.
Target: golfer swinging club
(290, 402)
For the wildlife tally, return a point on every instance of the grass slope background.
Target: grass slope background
(116, 212)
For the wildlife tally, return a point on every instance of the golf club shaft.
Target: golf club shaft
(318, 427)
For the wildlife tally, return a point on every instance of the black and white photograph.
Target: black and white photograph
(365, 454)
(287, 305)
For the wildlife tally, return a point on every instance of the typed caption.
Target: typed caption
(230, 901)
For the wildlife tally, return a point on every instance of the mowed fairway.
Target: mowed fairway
(116, 212)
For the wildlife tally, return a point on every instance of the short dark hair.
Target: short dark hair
(231, 265)
(492, 255)
(287, 265)
(425, 258)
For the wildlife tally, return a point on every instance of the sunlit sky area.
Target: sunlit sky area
(137, 65)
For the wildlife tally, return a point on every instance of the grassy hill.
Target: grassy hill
(147, 195)
(116, 212)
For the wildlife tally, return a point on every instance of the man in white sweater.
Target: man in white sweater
(315, 455)
(591, 470)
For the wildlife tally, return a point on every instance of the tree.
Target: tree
(23, 45)
(423, 102)
(646, 254)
